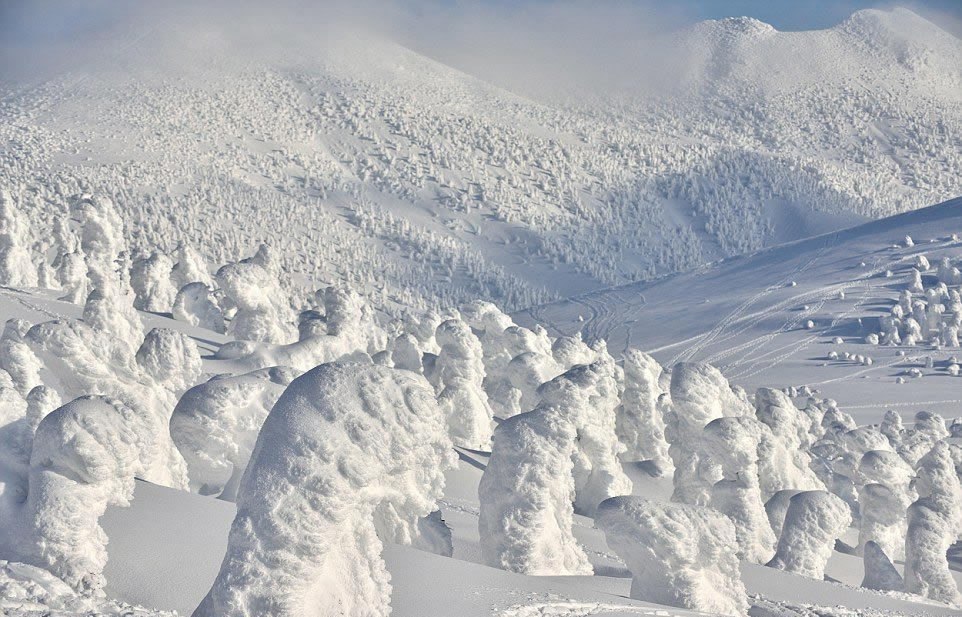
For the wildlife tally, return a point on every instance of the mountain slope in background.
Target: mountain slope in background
(361, 160)
(775, 318)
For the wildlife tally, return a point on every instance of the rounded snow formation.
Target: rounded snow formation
(526, 496)
(84, 458)
(812, 523)
(678, 555)
(343, 443)
(215, 426)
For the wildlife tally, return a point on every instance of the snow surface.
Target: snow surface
(746, 315)
(214, 235)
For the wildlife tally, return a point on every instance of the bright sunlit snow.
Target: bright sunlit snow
(377, 310)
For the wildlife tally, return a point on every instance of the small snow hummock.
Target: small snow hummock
(812, 523)
(351, 455)
(678, 555)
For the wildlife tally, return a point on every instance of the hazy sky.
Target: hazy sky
(52, 19)
(39, 37)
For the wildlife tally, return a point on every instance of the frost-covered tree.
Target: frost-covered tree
(368, 435)
(215, 425)
(81, 360)
(884, 493)
(569, 351)
(733, 443)
(588, 395)
(83, 458)
(262, 310)
(784, 462)
(526, 372)
(170, 359)
(880, 574)
(640, 422)
(72, 275)
(934, 524)
(406, 353)
(460, 370)
(526, 496)
(16, 266)
(777, 507)
(699, 394)
(194, 304)
(814, 520)
(189, 267)
(150, 278)
(678, 555)
(102, 243)
(16, 357)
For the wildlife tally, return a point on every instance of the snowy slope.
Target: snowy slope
(360, 159)
(748, 315)
(185, 536)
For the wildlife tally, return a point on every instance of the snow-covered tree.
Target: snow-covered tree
(369, 436)
(16, 357)
(814, 520)
(83, 458)
(880, 574)
(678, 555)
(588, 395)
(699, 394)
(733, 443)
(784, 462)
(16, 266)
(194, 304)
(150, 278)
(934, 524)
(526, 496)
(460, 370)
(189, 267)
(262, 311)
(640, 423)
(215, 425)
